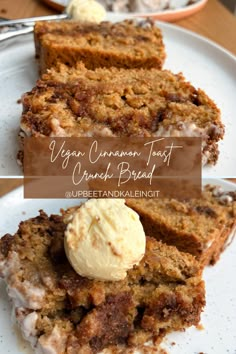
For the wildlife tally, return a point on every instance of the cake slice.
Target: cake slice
(201, 227)
(61, 312)
(126, 44)
(76, 102)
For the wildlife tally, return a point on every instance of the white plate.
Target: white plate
(218, 318)
(204, 63)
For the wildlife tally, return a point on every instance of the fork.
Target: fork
(13, 28)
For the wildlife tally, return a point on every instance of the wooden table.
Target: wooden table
(214, 21)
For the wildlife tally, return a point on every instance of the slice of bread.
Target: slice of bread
(60, 311)
(75, 102)
(201, 227)
(127, 44)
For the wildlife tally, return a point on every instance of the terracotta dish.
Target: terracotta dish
(165, 15)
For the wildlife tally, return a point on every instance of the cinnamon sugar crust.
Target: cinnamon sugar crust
(115, 102)
(73, 314)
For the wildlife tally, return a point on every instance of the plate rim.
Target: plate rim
(197, 36)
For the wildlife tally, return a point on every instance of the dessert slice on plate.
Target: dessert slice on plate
(76, 102)
(202, 227)
(126, 44)
(84, 281)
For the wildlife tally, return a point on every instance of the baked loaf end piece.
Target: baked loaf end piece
(61, 312)
(116, 102)
(199, 226)
(126, 44)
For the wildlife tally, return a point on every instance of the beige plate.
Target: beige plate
(165, 15)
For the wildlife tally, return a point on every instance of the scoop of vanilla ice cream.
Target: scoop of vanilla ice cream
(104, 239)
(86, 10)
